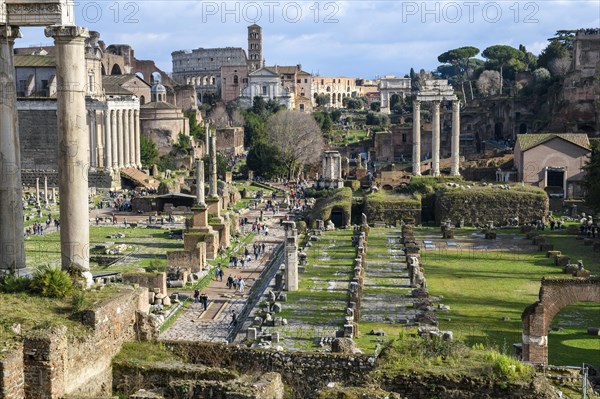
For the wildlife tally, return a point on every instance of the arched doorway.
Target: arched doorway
(116, 70)
(523, 128)
(337, 217)
(555, 294)
(569, 343)
(498, 131)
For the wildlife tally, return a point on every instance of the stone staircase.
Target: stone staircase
(139, 178)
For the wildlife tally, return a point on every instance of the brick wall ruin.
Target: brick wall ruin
(555, 294)
(51, 364)
(301, 370)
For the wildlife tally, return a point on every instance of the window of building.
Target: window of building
(305, 80)
(235, 79)
(299, 81)
(404, 137)
(244, 80)
(264, 90)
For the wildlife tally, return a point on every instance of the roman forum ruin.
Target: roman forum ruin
(73, 159)
(436, 91)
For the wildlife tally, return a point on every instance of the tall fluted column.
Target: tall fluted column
(92, 132)
(200, 183)
(455, 167)
(212, 187)
(207, 138)
(46, 203)
(114, 132)
(416, 154)
(138, 144)
(435, 139)
(73, 147)
(107, 142)
(131, 138)
(126, 139)
(121, 125)
(37, 192)
(12, 244)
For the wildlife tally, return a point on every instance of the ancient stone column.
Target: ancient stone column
(73, 147)
(435, 139)
(126, 139)
(120, 138)
(93, 142)
(200, 183)
(455, 167)
(132, 143)
(12, 253)
(107, 143)
(212, 187)
(416, 154)
(291, 257)
(37, 191)
(115, 139)
(53, 195)
(45, 190)
(138, 145)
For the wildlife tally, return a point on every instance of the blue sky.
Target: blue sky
(332, 38)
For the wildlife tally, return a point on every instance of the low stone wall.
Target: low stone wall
(304, 371)
(391, 208)
(501, 206)
(12, 381)
(178, 380)
(148, 280)
(56, 364)
(416, 386)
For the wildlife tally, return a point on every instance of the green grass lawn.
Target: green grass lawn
(483, 287)
(36, 312)
(565, 242)
(146, 244)
(318, 307)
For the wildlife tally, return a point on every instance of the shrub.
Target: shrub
(508, 367)
(50, 281)
(12, 284)
(353, 184)
(79, 300)
(156, 265)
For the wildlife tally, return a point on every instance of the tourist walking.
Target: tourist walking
(204, 300)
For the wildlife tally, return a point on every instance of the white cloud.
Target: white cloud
(369, 38)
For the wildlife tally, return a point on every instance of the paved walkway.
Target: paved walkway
(196, 324)
(386, 289)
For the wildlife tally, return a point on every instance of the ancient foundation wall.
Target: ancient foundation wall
(301, 370)
(500, 206)
(12, 382)
(55, 364)
(417, 386)
(148, 280)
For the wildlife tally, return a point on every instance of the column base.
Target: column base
(89, 279)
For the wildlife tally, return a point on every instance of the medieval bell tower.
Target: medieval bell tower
(254, 47)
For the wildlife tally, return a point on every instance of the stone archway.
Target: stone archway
(555, 294)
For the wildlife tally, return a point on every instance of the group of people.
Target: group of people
(589, 227)
(37, 229)
(258, 228)
(201, 298)
(236, 283)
